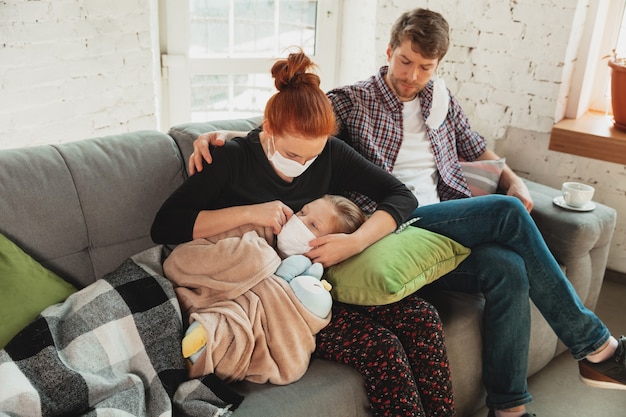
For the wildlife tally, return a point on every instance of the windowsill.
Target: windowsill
(591, 136)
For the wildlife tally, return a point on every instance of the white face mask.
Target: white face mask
(294, 237)
(286, 166)
(440, 104)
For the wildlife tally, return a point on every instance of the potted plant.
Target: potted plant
(618, 90)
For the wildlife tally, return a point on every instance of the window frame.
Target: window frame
(584, 127)
(591, 75)
(177, 68)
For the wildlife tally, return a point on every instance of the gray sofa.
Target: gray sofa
(81, 208)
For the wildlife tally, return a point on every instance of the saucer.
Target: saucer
(561, 203)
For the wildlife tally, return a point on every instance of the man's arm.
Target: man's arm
(201, 147)
(511, 182)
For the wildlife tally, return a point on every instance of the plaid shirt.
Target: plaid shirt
(370, 118)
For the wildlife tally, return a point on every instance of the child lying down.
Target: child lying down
(252, 315)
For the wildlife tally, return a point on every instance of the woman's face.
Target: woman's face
(409, 71)
(319, 216)
(298, 148)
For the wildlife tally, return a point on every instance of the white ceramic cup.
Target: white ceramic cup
(576, 194)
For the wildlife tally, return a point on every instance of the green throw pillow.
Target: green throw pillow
(26, 289)
(394, 267)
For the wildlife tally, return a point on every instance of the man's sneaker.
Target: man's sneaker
(493, 414)
(608, 374)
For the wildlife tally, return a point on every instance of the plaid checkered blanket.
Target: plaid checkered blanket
(112, 348)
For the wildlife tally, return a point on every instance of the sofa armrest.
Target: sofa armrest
(578, 240)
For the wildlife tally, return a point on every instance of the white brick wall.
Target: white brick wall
(72, 69)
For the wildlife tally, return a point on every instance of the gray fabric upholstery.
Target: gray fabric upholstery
(327, 389)
(81, 208)
(185, 134)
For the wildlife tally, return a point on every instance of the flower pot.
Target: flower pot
(618, 92)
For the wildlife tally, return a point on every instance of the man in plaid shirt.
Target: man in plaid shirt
(371, 117)
(405, 120)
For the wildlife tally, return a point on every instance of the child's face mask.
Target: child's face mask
(294, 237)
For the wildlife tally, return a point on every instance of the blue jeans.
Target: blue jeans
(509, 264)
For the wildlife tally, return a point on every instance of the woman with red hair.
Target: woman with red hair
(263, 178)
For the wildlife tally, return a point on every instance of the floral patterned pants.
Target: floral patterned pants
(399, 350)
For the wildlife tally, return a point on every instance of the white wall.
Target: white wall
(509, 65)
(72, 69)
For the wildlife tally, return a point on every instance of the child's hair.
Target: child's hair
(300, 106)
(349, 216)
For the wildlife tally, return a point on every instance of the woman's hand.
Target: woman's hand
(332, 249)
(272, 214)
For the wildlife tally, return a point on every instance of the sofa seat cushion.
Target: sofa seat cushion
(328, 388)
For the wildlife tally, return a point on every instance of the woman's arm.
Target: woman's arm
(202, 206)
(334, 248)
(273, 214)
(352, 172)
(177, 222)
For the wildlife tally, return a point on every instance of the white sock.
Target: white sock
(502, 413)
(604, 354)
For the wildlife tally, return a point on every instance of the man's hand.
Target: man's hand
(516, 187)
(520, 190)
(201, 149)
(511, 182)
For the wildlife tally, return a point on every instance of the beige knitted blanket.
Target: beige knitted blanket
(256, 328)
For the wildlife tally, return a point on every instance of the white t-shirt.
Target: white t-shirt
(415, 165)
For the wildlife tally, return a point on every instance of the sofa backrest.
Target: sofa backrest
(185, 134)
(81, 208)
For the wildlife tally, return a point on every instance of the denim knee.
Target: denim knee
(499, 267)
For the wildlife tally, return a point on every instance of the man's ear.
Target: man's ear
(389, 52)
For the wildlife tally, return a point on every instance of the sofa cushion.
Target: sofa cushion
(185, 134)
(26, 289)
(394, 267)
(81, 208)
(483, 176)
(326, 389)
